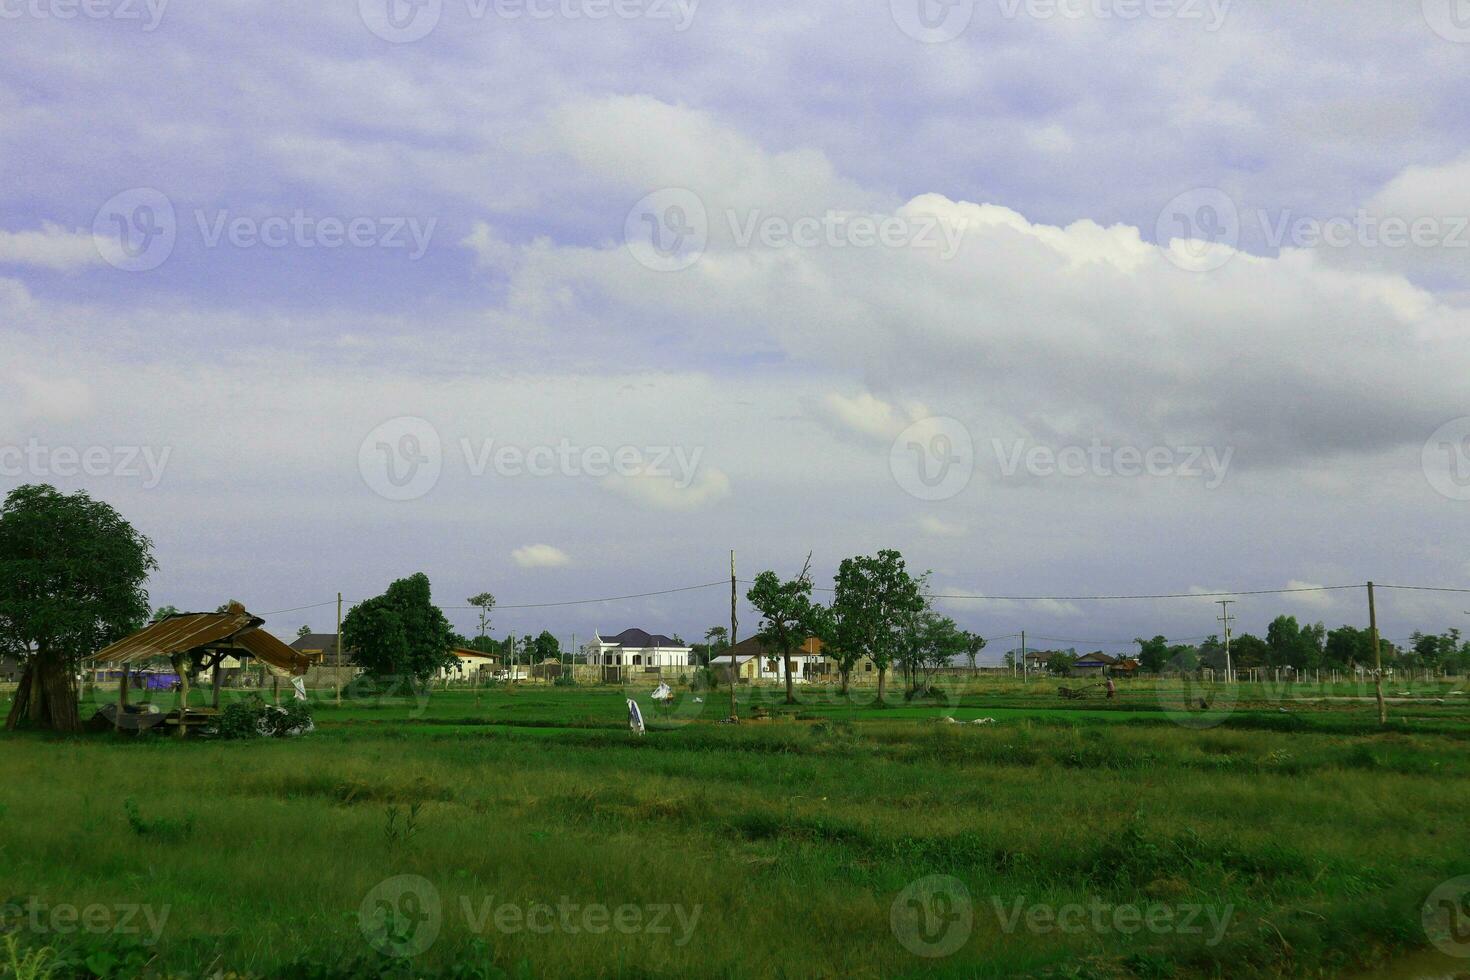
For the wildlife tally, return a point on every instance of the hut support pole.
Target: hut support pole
(122, 696)
(183, 697)
(216, 680)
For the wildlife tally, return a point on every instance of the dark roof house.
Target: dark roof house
(641, 639)
(320, 646)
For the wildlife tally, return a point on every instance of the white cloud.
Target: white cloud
(540, 556)
(935, 527)
(1312, 600)
(52, 247)
(670, 493)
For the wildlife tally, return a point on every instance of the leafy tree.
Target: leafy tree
(928, 642)
(72, 572)
(164, 612)
(873, 596)
(303, 631)
(1060, 663)
(1247, 650)
(545, 647)
(484, 602)
(787, 616)
(1347, 646)
(401, 632)
(1153, 655)
(974, 643)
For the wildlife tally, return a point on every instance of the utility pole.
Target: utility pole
(734, 667)
(1024, 666)
(1377, 657)
(1227, 619)
(337, 671)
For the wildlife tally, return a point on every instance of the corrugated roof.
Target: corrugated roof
(183, 632)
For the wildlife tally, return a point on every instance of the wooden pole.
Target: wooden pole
(183, 694)
(216, 680)
(122, 696)
(337, 670)
(1377, 657)
(734, 667)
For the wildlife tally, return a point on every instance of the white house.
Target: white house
(469, 665)
(756, 661)
(637, 648)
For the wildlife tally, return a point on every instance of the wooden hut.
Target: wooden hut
(193, 642)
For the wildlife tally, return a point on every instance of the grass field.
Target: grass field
(527, 833)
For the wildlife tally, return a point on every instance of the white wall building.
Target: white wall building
(636, 648)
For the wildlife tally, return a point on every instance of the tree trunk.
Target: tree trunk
(882, 675)
(46, 697)
(790, 695)
(843, 673)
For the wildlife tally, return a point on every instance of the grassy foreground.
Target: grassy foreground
(526, 833)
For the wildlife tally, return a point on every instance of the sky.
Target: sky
(567, 299)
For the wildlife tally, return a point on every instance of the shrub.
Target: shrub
(252, 718)
(242, 719)
(565, 680)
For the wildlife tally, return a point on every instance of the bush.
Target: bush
(252, 718)
(242, 719)
(565, 680)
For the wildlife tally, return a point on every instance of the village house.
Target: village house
(757, 660)
(470, 666)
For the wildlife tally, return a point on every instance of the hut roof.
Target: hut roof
(180, 633)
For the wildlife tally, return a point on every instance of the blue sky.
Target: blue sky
(1205, 230)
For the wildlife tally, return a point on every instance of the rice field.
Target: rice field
(527, 832)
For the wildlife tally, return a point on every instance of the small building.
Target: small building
(469, 665)
(10, 669)
(322, 648)
(757, 660)
(1093, 665)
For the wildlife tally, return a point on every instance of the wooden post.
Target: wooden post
(183, 694)
(122, 696)
(734, 667)
(216, 680)
(275, 689)
(1377, 657)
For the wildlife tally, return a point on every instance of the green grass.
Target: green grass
(1311, 837)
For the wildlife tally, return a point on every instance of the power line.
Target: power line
(581, 602)
(1120, 598)
(1419, 588)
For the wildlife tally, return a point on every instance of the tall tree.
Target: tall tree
(873, 596)
(974, 643)
(72, 574)
(483, 602)
(787, 616)
(927, 642)
(164, 612)
(401, 632)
